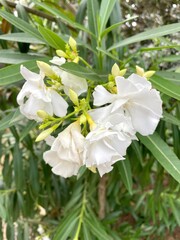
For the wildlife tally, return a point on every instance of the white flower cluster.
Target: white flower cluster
(100, 131)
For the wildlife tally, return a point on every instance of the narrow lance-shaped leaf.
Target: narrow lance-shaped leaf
(21, 37)
(163, 154)
(166, 87)
(80, 71)
(21, 24)
(124, 168)
(62, 16)
(105, 12)
(52, 38)
(149, 34)
(11, 74)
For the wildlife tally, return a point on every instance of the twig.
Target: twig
(102, 196)
(33, 11)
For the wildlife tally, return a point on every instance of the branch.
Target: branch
(33, 11)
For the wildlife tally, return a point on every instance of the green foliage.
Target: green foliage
(140, 197)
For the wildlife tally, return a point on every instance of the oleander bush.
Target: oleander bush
(89, 120)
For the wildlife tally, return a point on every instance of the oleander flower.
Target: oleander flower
(136, 98)
(108, 142)
(69, 81)
(66, 153)
(35, 96)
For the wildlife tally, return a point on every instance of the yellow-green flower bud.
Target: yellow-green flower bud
(42, 114)
(46, 69)
(92, 169)
(82, 119)
(74, 97)
(61, 53)
(115, 70)
(122, 72)
(149, 74)
(140, 71)
(73, 44)
(44, 134)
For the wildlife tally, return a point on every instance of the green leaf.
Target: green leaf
(93, 11)
(9, 57)
(166, 87)
(164, 155)
(52, 38)
(171, 58)
(21, 37)
(80, 71)
(171, 76)
(124, 168)
(18, 167)
(63, 230)
(11, 74)
(62, 16)
(11, 119)
(105, 12)
(21, 24)
(149, 34)
(112, 27)
(31, 125)
(171, 119)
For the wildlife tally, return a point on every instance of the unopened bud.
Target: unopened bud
(122, 72)
(44, 134)
(92, 124)
(92, 169)
(115, 70)
(149, 74)
(74, 97)
(61, 53)
(82, 119)
(76, 59)
(140, 71)
(42, 114)
(73, 44)
(46, 69)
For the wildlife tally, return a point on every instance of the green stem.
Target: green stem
(84, 61)
(81, 214)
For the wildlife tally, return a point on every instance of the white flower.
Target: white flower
(35, 96)
(66, 154)
(137, 99)
(77, 84)
(108, 142)
(70, 81)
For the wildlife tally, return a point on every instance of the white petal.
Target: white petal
(66, 169)
(151, 100)
(143, 119)
(125, 88)
(102, 96)
(30, 76)
(77, 84)
(140, 82)
(51, 158)
(32, 105)
(58, 61)
(59, 104)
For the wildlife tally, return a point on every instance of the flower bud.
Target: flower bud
(61, 53)
(73, 44)
(140, 71)
(82, 119)
(46, 69)
(122, 72)
(74, 97)
(149, 74)
(44, 134)
(92, 169)
(42, 114)
(115, 70)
